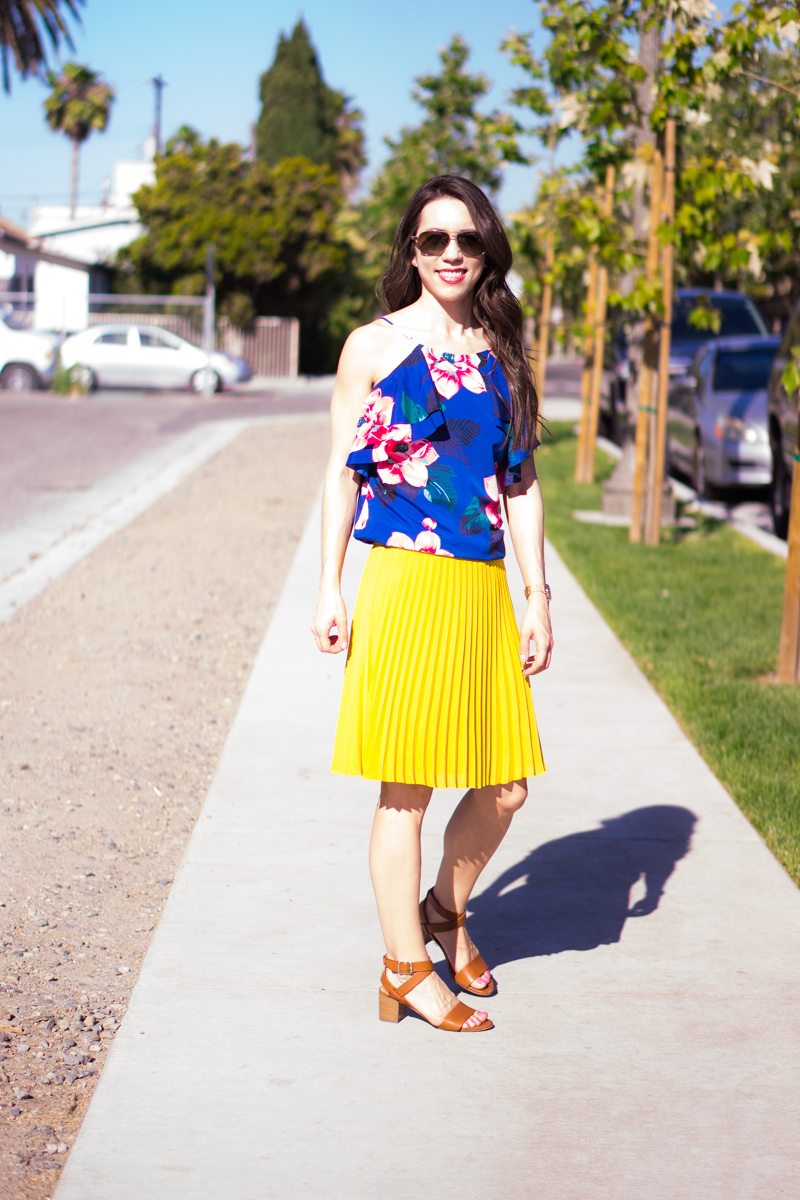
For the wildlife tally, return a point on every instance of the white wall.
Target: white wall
(62, 298)
(88, 245)
(101, 244)
(8, 265)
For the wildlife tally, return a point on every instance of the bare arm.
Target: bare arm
(525, 514)
(340, 496)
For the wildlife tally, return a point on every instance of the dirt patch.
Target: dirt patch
(117, 689)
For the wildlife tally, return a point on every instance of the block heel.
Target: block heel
(393, 1005)
(390, 1009)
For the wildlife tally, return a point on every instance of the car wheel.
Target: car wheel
(84, 377)
(780, 495)
(699, 481)
(199, 378)
(19, 378)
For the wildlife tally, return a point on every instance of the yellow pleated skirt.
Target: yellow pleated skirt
(433, 689)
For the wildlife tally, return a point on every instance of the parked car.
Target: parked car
(717, 426)
(739, 317)
(783, 428)
(117, 355)
(27, 359)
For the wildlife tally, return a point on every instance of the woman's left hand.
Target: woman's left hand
(536, 629)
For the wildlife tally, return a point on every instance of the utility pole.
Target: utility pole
(208, 319)
(158, 85)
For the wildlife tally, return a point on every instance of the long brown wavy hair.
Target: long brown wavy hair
(494, 305)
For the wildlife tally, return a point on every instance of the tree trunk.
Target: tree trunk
(618, 490)
(73, 200)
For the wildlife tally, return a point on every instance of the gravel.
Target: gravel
(107, 753)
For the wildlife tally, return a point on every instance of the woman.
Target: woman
(433, 416)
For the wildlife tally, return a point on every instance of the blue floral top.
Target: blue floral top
(433, 444)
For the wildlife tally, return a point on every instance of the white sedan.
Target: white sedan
(149, 357)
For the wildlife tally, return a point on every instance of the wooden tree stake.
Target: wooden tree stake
(586, 375)
(645, 409)
(789, 647)
(599, 338)
(540, 369)
(667, 259)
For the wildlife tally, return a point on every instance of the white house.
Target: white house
(60, 259)
(57, 284)
(97, 232)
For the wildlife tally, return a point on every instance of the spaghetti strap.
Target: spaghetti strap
(397, 327)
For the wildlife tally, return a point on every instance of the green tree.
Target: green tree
(280, 250)
(596, 90)
(24, 27)
(301, 115)
(756, 117)
(79, 102)
(452, 138)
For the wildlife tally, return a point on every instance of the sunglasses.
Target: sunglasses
(436, 241)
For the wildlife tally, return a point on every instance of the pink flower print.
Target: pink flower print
(426, 542)
(368, 494)
(492, 506)
(374, 421)
(453, 371)
(402, 459)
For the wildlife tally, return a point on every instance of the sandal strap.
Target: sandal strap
(457, 1017)
(418, 971)
(453, 920)
(472, 971)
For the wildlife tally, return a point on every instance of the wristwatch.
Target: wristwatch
(539, 587)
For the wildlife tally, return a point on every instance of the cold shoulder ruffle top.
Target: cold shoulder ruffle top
(433, 445)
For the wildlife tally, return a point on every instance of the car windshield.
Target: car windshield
(743, 370)
(739, 318)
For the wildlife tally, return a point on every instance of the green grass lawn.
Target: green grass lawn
(701, 615)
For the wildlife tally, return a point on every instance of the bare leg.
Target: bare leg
(475, 830)
(395, 862)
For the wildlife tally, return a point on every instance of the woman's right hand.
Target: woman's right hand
(331, 613)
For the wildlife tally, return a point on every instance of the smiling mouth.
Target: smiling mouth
(452, 276)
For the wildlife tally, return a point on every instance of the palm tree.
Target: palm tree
(78, 103)
(23, 26)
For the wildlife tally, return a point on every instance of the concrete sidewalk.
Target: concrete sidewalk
(635, 1056)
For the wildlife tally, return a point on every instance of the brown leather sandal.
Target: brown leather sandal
(473, 970)
(392, 1002)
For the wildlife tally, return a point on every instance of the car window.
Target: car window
(151, 337)
(113, 339)
(739, 318)
(743, 370)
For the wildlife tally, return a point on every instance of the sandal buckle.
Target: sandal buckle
(401, 968)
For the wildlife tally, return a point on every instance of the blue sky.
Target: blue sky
(212, 57)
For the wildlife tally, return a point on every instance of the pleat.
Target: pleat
(433, 691)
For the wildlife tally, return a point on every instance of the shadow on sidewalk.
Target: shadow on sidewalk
(574, 893)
